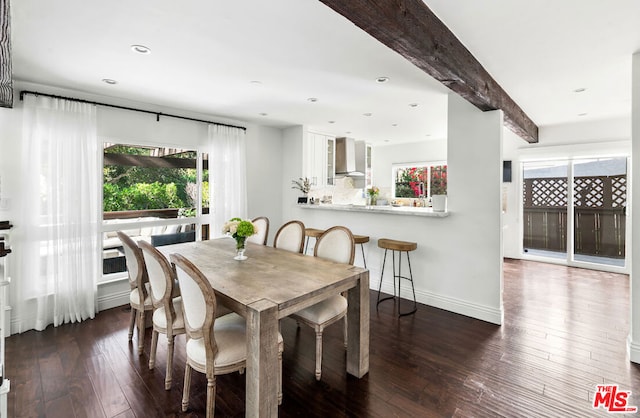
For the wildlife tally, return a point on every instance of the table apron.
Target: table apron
(291, 309)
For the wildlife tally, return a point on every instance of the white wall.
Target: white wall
(634, 334)
(474, 157)
(265, 166)
(292, 159)
(511, 196)
(458, 263)
(613, 129)
(264, 163)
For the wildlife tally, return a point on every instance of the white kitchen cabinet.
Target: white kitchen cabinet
(319, 159)
(363, 165)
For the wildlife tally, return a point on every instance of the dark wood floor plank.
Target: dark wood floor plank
(61, 407)
(83, 397)
(54, 383)
(564, 332)
(106, 386)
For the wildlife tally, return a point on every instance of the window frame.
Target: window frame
(420, 164)
(199, 219)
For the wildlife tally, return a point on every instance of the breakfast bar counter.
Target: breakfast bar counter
(387, 209)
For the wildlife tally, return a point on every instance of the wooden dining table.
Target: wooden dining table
(270, 285)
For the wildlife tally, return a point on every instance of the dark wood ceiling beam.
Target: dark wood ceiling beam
(411, 29)
(128, 160)
(6, 81)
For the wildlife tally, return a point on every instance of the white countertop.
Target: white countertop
(391, 210)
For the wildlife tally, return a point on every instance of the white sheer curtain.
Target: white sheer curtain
(227, 174)
(61, 189)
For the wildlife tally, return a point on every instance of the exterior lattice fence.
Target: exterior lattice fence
(600, 218)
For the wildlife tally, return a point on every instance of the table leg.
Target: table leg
(262, 359)
(358, 327)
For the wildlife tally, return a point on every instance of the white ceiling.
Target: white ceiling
(205, 55)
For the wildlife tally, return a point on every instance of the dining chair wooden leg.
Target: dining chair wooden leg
(345, 331)
(211, 396)
(140, 332)
(154, 347)
(186, 388)
(280, 350)
(318, 353)
(132, 322)
(169, 374)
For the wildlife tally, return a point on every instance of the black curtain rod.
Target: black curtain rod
(158, 114)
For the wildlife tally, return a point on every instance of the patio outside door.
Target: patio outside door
(584, 223)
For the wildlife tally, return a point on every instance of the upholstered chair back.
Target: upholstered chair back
(290, 237)
(160, 273)
(135, 261)
(336, 244)
(262, 224)
(198, 299)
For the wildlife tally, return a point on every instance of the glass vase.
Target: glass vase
(240, 249)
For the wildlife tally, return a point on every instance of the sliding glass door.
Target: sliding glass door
(600, 202)
(545, 197)
(576, 210)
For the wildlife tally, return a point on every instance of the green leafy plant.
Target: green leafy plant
(140, 196)
(239, 229)
(439, 179)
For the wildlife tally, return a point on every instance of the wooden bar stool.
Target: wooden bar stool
(312, 233)
(361, 239)
(400, 247)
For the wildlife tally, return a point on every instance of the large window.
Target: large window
(419, 180)
(152, 194)
(147, 179)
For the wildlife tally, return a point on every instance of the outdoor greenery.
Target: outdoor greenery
(138, 188)
(408, 179)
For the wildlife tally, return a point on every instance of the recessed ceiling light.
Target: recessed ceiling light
(367, 114)
(582, 114)
(579, 90)
(109, 81)
(428, 135)
(256, 82)
(394, 124)
(140, 49)
(413, 104)
(382, 79)
(332, 121)
(386, 140)
(262, 114)
(312, 99)
(348, 132)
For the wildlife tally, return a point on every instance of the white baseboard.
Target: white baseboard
(633, 349)
(462, 307)
(113, 300)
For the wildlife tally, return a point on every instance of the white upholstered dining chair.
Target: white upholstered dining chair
(139, 297)
(290, 237)
(167, 305)
(215, 345)
(335, 244)
(262, 224)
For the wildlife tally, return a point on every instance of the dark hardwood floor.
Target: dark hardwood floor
(564, 332)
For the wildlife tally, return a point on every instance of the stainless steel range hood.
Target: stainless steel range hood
(346, 157)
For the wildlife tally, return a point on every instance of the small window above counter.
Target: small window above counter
(390, 210)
